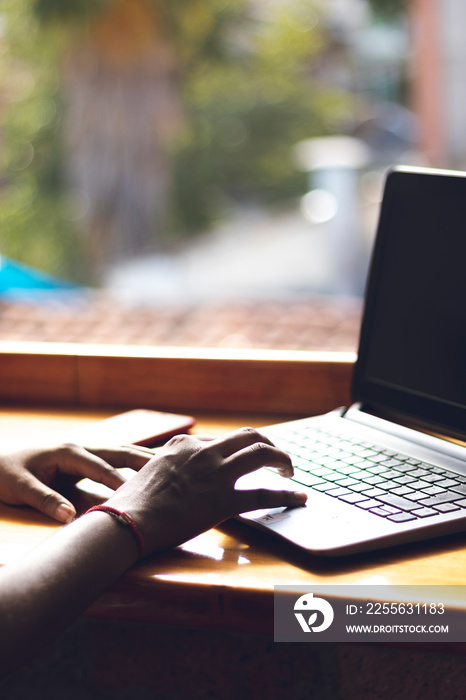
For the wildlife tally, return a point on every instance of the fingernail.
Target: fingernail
(300, 497)
(65, 513)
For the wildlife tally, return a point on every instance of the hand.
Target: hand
(189, 486)
(26, 477)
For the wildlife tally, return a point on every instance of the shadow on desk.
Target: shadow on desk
(334, 566)
(107, 660)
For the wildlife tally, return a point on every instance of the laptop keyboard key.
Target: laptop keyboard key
(361, 486)
(326, 486)
(348, 481)
(374, 480)
(401, 517)
(392, 463)
(403, 491)
(347, 470)
(433, 490)
(446, 497)
(390, 509)
(337, 492)
(425, 512)
(306, 479)
(405, 468)
(321, 471)
(361, 475)
(377, 469)
(370, 503)
(391, 474)
(353, 498)
(432, 478)
(335, 476)
(382, 512)
(373, 493)
(447, 483)
(461, 488)
(390, 485)
(416, 496)
(447, 507)
(406, 479)
(399, 502)
(419, 473)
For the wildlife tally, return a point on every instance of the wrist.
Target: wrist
(114, 544)
(125, 521)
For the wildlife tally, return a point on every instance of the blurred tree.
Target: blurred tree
(164, 112)
(247, 105)
(120, 93)
(388, 8)
(36, 216)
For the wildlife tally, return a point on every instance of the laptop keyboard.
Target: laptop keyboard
(386, 483)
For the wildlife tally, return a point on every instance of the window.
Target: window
(207, 174)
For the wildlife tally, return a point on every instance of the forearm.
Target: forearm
(56, 582)
(190, 484)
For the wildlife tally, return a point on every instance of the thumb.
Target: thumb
(264, 498)
(47, 501)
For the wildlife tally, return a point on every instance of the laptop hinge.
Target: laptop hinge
(357, 414)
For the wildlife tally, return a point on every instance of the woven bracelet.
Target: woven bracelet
(125, 520)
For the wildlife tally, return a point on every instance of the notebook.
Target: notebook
(390, 469)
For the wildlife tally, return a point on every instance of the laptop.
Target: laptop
(390, 468)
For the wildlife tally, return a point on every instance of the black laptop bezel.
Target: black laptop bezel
(374, 396)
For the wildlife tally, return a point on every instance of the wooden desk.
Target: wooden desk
(210, 603)
(224, 578)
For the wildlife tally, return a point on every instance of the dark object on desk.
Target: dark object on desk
(138, 427)
(372, 481)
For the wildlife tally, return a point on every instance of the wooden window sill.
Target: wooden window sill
(172, 378)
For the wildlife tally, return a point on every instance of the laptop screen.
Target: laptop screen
(412, 356)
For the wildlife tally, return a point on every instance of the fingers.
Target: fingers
(256, 456)
(36, 494)
(85, 463)
(255, 499)
(102, 464)
(238, 440)
(27, 475)
(246, 450)
(95, 463)
(125, 456)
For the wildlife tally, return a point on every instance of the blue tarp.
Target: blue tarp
(21, 281)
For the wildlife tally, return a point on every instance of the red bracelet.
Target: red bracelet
(124, 519)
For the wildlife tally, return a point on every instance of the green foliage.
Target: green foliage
(35, 211)
(68, 10)
(249, 97)
(246, 83)
(388, 9)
